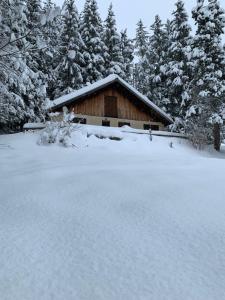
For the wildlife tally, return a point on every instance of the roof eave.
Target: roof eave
(169, 120)
(53, 107)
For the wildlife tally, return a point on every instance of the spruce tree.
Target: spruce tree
(71, 59)
(141, 40)
(179, 64)
(33, 14)
(91, 33)
(20, 23)
(48, 5)
(141, 46)
(168, 29)
(155, 60)
(21, 93)
(35, 38)
(51, 28)
(114, 59)
(127, 49)
(204, 117)
(12, 110)
(34, 57)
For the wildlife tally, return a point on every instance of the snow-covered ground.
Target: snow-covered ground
(111, 220)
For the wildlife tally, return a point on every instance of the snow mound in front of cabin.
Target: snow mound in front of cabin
(124, 139)
(67, 135)
(81, 135)
(79, 139)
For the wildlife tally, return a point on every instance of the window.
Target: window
(146, 126)
(80, 120)
(121, 124)
(106, 123)
(110, 106)
(152, 127)
(155, 127)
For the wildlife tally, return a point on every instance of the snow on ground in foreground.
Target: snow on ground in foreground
(111, 220)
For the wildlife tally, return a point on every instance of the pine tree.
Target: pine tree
(71, 59)
(155, 60)
(12, 110)
(141, 46)
(168, 28)
(127, 49)
(34, 55)
(20, 23)
(21, 93)
(114, 59)
(141, 40)
(208, 86)
(48, 5)
(51, 29)
(34, 17)
(179, 64)
(34, 14)
(91, 33)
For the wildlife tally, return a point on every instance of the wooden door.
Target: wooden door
(110, 106)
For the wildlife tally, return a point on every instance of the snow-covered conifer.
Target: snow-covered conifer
(208, 86)
(12, 108)
(95, 50)
(155, 60)
(51, 28)
(179, 63)
(141, 40)
(71, 59)
(22, 93)
(127, 49)
(141, 46)
(114, 59)
(34, 17)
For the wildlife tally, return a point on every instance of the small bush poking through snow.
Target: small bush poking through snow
(56, 132)
(65, 135)
(50, 134)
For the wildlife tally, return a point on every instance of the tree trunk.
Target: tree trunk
(216, 135)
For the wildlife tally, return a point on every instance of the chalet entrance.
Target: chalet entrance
(110, 107)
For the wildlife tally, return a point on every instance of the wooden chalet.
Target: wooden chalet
(112, 102)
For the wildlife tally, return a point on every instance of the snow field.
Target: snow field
(113, 220)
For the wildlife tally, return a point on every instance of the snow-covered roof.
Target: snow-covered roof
(59, 102)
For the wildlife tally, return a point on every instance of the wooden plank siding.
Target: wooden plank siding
(128, 107)
(92, 106)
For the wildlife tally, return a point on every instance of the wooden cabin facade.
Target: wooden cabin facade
(112, 102)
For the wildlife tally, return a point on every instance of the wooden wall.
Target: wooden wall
(92, 106)
(127, 109)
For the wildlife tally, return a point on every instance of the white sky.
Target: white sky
(128, 12)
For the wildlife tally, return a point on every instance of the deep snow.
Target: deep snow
(111, 220)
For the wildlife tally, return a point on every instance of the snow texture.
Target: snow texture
(28, 126)
(114, 220)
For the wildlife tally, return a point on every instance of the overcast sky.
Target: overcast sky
(128, 12)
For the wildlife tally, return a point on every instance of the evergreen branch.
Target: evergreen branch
(10, 42)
